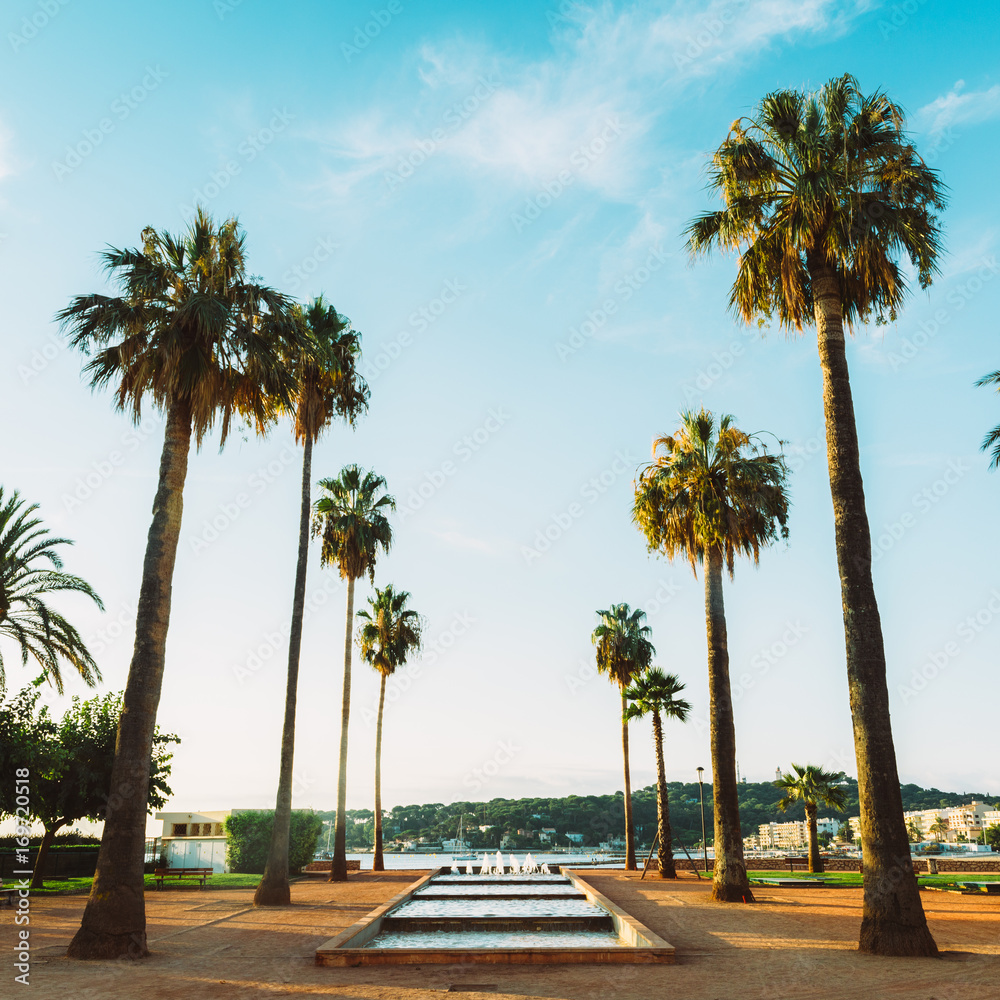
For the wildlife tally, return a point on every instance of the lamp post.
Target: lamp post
(701, 796)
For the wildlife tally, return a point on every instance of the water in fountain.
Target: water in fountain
(499, 863)
(515, 868)
(485, 869)
(468, 870)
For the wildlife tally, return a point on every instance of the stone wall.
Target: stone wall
(325, 866)
(944, 864)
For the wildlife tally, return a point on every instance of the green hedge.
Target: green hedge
(248, 839)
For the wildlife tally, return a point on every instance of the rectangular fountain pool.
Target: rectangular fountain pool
(515, 919)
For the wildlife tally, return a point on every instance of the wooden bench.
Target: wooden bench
(199, 873)
(803, 862)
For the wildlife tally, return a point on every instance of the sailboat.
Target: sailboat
(462, 845)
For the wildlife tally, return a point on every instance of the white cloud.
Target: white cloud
(584, 109)
(958, 106)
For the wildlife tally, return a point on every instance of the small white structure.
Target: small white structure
(195, 839)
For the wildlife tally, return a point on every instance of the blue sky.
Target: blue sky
(495, 196)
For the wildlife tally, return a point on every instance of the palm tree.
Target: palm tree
(25, 581)
(940, 828)
(350, 520)
(992, 439)
(655, 693)
(327, 385)
(824, 193)
(713, 492)
(811, 786)
(193, 336)
(389, 634)
(913, 831)
(623, 653)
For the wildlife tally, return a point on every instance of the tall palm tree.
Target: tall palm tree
(623, 653)
(192, 335)
(655, 693)
(824, 193)
(350, 519)
(711, 493)
(812, 786)
(30, 570)
(327, 385)
(391, 631)
(991, 442)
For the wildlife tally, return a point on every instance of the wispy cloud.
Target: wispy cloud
(521, 123)
(959, 106)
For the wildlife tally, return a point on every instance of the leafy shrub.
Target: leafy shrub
(248, 839)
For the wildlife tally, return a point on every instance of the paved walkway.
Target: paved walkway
(793, 944)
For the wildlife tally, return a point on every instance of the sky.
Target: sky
(496, 195)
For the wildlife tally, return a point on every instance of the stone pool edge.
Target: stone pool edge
(640, 945)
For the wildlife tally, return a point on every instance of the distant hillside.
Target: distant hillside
(600, 816)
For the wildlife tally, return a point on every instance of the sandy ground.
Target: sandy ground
(792, 944)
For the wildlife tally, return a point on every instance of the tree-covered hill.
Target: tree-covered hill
(599, 817)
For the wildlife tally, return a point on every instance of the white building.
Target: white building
(195, 840)
(967, 821)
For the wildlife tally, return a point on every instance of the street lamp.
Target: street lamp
(701, 795)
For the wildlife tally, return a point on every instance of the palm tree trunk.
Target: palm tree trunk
(815, 861)
(629, 826)
(114, 921)
(274, 889)
(893, 921)
(378, 864)
(338, 870)
(37, 877)
(665, 859)
(729, 883)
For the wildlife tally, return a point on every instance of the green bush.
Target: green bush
(248, 839)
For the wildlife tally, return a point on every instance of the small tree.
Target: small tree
(69, 762)
(811, 786)
(655, 693)
(992, 836)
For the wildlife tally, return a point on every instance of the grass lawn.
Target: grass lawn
(843, 880)
(55, 887)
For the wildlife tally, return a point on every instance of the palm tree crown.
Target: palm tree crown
(656, 692)
(324, 367)
(351, 521)
(812, 786)
(188, 327)
(31, 568)
(711, 488)
(623, 646)
(824, 180)
(991, 442)
(390, 632)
